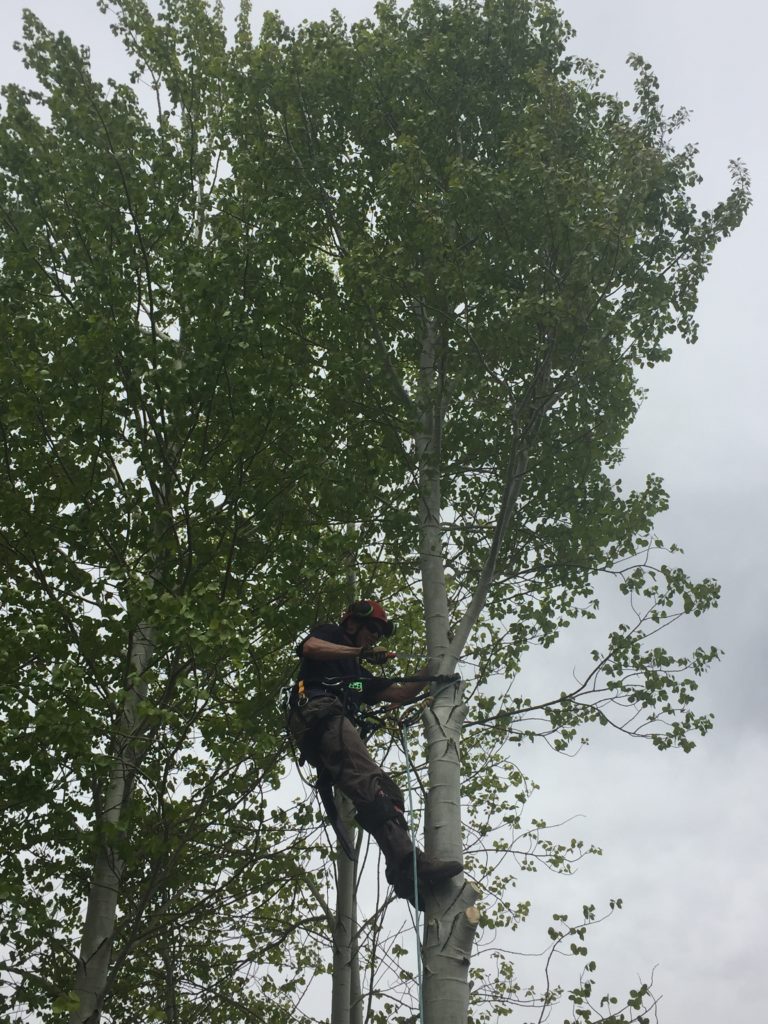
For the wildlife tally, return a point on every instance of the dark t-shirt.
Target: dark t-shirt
(313, 671)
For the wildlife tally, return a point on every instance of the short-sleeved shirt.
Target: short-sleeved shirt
(313, 671)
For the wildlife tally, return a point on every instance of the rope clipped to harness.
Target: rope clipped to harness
(367, 722)
(370, 721)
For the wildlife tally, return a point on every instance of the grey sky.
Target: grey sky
(684, 836)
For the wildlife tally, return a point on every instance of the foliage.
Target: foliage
(470, 177)
(154, 371)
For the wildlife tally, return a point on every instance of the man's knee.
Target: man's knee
(375, 813)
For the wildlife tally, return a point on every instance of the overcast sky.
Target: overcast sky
(685, 837)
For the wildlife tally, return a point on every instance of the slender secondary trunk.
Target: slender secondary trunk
(356, 997)
(346, 997)
(93, 964)
(171, 986)
(101, 912)
(345, 931)
(451, 918)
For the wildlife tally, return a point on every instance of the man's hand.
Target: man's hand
(377, 655)
(402, 693)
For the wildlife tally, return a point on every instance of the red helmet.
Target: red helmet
(370, 611)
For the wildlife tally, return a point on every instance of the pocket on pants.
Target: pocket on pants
(308, 723)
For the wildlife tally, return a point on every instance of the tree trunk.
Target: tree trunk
(356, 998)
(101, 912)
(428, 453)
(451, 917)
(345, 968)
(346, 997)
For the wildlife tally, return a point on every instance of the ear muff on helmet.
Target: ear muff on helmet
(360, 609)
(373, 612)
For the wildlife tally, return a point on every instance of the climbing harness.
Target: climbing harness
(340, 686)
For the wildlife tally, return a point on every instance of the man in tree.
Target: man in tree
(324, 709)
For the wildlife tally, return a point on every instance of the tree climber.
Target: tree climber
(323, 706)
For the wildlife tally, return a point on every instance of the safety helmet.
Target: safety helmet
(371, 611)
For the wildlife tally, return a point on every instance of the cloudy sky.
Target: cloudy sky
(685, 836)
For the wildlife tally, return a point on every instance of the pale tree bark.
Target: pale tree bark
(101, 913)
(346, 997)
(356, 993)
(94, 961)
(429, 437)
(346, 1003)
(451, 916)
(93, 966)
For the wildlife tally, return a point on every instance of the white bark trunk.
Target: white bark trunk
(428, 453)
(101, 912)
(451, 918)
(356, 1008)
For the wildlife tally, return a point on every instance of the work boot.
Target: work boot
(384, 819)
(432, 871)
(428, 871)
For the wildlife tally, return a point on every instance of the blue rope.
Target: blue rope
(419, 967)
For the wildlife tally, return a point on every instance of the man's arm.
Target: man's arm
(323, 650)
(401, 693)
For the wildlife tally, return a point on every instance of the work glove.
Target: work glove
(377, 655)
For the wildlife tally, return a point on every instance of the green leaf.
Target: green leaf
(66, 1002)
